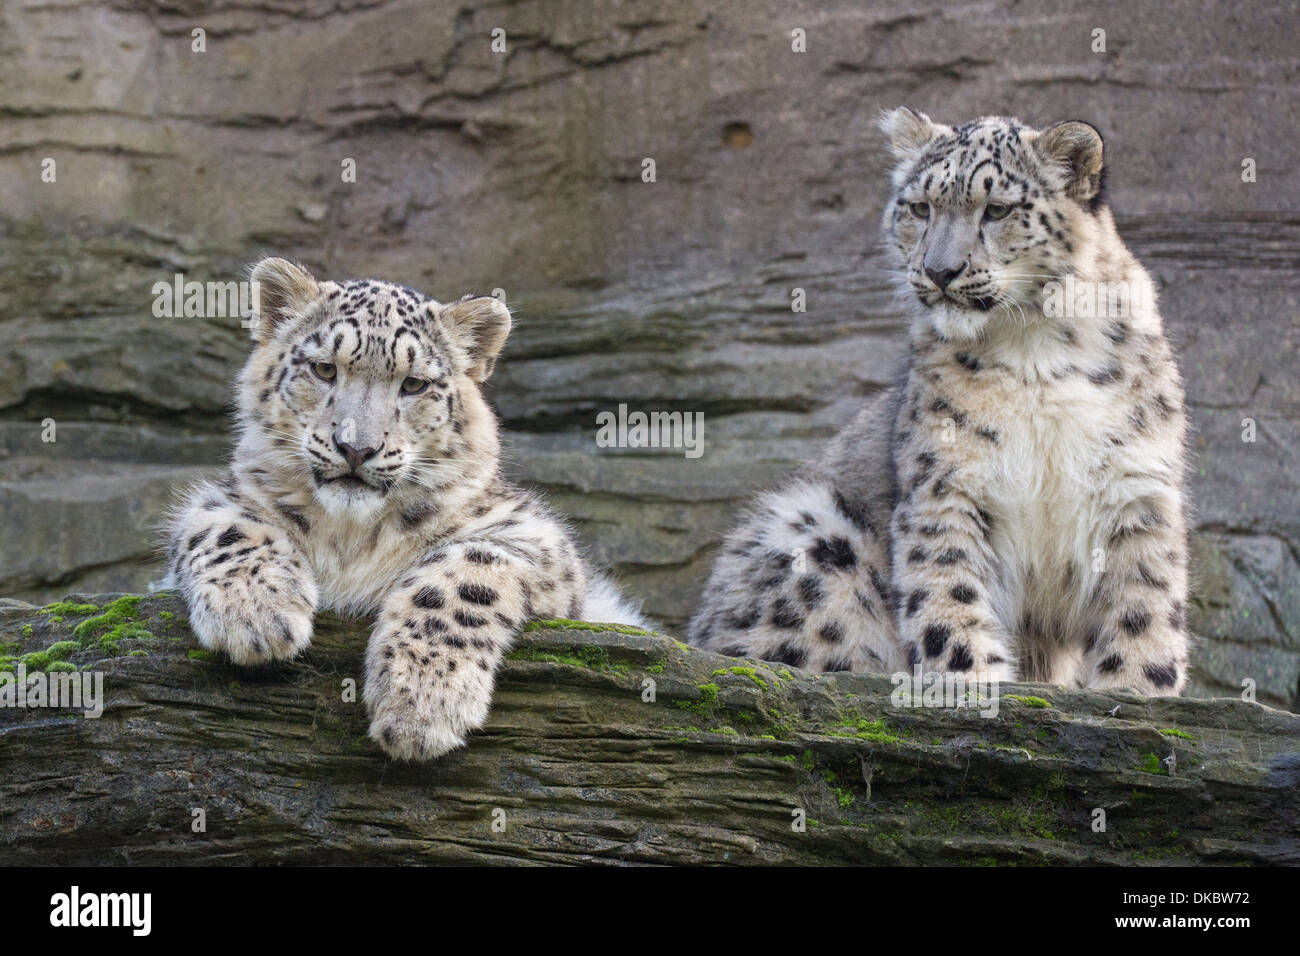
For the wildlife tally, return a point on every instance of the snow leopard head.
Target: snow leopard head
(365, 388)
(984, 214)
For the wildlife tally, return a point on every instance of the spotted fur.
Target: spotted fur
(366, 479)
(1014, 505)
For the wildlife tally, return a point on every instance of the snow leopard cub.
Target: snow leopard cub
(1013, 507)
(366, 479)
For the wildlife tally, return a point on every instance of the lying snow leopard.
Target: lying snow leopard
(366, 479)
(1013, 506)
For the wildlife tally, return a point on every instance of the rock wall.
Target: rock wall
(522, 170)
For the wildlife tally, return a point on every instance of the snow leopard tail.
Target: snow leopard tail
(606, 604)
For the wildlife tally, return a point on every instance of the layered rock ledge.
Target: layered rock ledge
(610, 745)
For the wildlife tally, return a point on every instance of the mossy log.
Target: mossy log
(611, 745)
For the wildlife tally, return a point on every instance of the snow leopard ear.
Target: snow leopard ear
(907, 131)
(1076, 148)
(479, 324)
(281, 291)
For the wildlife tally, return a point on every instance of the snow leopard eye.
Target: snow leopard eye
(921, 210)
(413, 386)
(325, 371)
(996, 211)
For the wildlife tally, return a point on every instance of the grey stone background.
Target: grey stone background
(521, 171)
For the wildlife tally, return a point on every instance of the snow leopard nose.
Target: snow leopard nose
(355, 456)
(942, 276)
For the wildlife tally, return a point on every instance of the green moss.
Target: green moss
(844, 798)
(1157, 853)
(705, 704)
(742, 672)
(1039, 812)
(564, 624)
(1022, 818)
(781, 723)
(43, 660)
(69, 609)
(1151, 764)
(589, 656)
(166, 615)
(1029, 701)
(27, 630)
(863, 729)
(1031, 821)
(118, 622)
(1175, 732)
(60, 666)
(199, 654)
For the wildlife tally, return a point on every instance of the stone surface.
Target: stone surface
(612, 747)
(522, 171)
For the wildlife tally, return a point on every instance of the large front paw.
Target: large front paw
(422, 705)
(254, 621)
(406, 734)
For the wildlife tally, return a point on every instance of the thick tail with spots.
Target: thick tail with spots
(803, 580)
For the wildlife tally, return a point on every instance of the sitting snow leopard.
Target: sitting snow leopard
(366, 479)
(1013, 507)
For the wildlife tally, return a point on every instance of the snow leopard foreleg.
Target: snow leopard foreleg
(944, 575)
(1137, 632)
(243, 576)
(439, 638)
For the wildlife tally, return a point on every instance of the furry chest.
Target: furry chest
(1040, 480)
(354, 567)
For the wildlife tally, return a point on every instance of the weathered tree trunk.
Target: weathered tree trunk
(582, 763)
